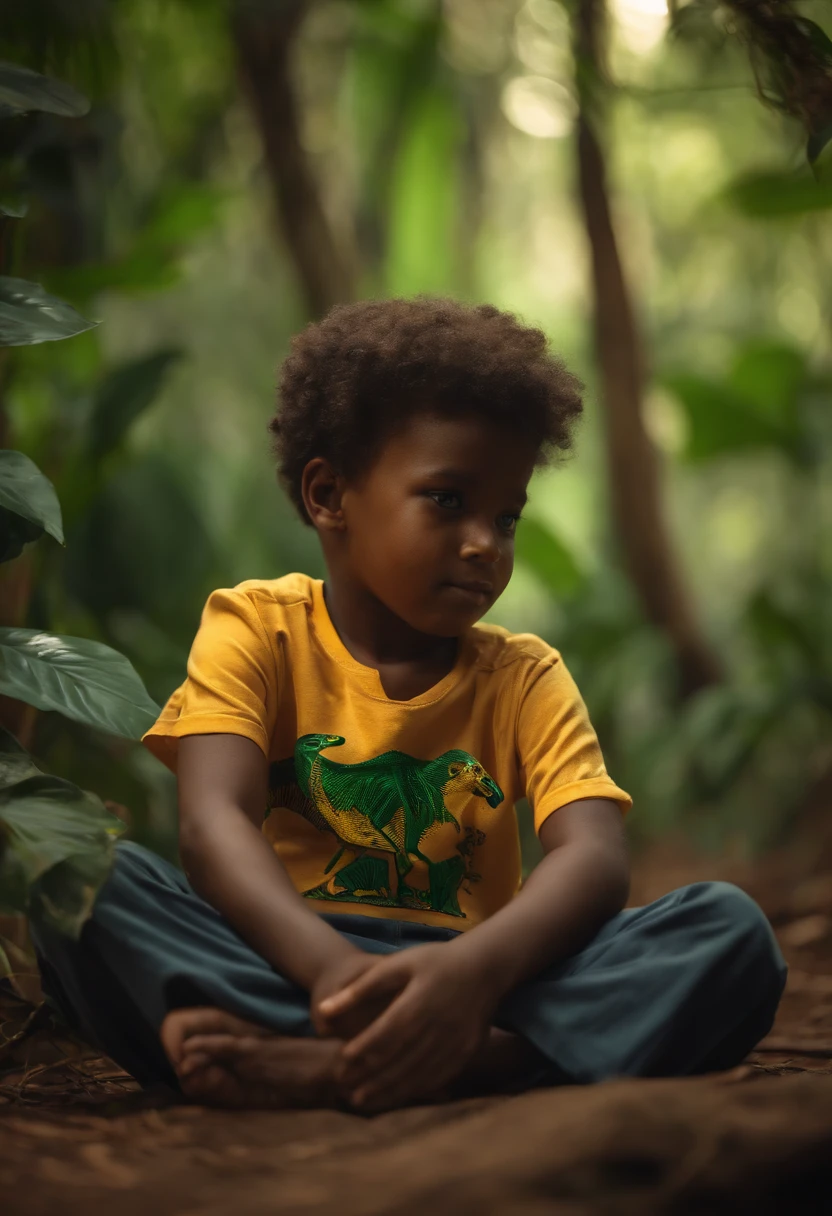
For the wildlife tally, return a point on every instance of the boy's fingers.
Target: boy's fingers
(373, 1062)
(372, 983)
(384, 1027)
(405, 1080)
(404, 1071)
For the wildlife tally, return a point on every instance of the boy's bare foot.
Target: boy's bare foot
(222, 1060)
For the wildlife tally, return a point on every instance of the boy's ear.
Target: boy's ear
(322, 489)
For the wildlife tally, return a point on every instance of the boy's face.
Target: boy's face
(429, 529)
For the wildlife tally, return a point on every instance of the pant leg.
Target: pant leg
(688, 984)
(153, 945)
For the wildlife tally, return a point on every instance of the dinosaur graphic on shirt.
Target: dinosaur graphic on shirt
(390, 804)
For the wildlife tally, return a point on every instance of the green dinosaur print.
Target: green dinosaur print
(387, 805)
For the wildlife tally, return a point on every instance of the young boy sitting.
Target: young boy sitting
(369, 943)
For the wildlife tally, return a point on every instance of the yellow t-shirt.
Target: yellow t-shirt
(379, 807)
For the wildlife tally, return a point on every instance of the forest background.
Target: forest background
(650, 186)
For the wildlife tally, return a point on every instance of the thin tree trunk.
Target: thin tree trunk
(633, 466)
(264, 34)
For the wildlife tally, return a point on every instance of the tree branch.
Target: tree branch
(264, 33)
(632, 462)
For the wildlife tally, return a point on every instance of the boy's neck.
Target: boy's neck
(378, 638)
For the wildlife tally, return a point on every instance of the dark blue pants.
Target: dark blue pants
(688, 984)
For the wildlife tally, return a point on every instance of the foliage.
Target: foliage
(28, 504)
(22, 90)
(56, 840)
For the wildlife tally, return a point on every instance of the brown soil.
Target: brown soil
(77, 1136)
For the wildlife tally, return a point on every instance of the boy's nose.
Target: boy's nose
(480, 542)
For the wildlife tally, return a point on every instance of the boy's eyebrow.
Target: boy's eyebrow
(463, 476)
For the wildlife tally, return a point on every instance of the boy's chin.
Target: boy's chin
(451, 625)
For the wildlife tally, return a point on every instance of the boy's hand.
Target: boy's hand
(439, 1010)
(336, 978)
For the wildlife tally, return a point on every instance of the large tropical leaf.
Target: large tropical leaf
(28, 314)
(123, 396)
(56, 849)
(548, 557)
(82, 679)
(22, 90)
(28, 504)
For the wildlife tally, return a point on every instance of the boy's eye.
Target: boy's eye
(509, 520)
(440, 497)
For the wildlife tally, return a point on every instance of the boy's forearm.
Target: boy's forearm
(232, 866)
(566, 899)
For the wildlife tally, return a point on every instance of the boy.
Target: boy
(369, 944)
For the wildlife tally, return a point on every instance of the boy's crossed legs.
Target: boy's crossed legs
(168, 989)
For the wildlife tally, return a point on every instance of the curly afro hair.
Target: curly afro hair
(353, 379)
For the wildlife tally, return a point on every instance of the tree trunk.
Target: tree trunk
(264, 33)
(633, 467)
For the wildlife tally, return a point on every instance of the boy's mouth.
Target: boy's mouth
(475, 589)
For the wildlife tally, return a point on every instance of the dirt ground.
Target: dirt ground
(77, 1136)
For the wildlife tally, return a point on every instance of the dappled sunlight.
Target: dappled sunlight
(641, 24)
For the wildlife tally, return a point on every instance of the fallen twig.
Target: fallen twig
(29, 1027)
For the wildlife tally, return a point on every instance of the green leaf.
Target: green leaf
(123, 396)
(28, 314)
(719, 418)
(15, 211)
(22, 90)
(80, 678)
(15, 762)
(15, 534)
(774, 195)
(49, 824)
(25, 494)
(547, 556)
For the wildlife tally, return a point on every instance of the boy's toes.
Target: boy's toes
(212, 1086)
(181, 1025)
(192, 1061)
(216, 1046)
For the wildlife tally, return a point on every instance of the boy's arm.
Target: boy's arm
(583, 880)
(223, 790)
(445, 995)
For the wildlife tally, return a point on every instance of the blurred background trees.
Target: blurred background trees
(652, 186)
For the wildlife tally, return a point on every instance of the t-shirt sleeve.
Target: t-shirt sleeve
(231, 687)
(560, 757)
